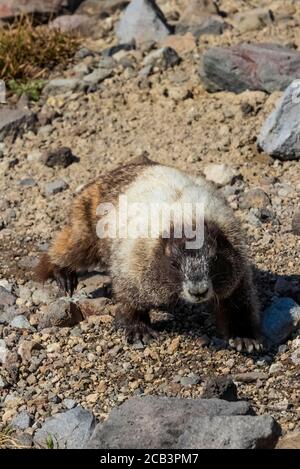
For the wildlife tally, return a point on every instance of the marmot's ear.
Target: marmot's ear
(213, 231)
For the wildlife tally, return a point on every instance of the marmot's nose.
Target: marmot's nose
(199, 289)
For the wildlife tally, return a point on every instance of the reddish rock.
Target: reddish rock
(266, 67)
(73, 23)
(11, 8)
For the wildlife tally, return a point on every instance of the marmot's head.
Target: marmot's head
(198, 275)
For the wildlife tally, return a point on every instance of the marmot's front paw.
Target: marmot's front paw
(66, 279)
(140, 331)
(250, 345)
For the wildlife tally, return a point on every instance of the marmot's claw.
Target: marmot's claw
(67, 280)
(250, 345)
(140, 332)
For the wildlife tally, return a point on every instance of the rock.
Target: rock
(280, 133)
(162, 58)
(265, 67)
(198, 11)
(30, 182)
(20, 322)
(295, 357)
(142, 21)
(149, 422)
(55, 187)
(110, 51)
(6, 298)
(296, 224)
(101, 9)
(82, 24)
(181, 44)
(21, 421)
(211, 26)
(254, 19)
(67, 430)
(190, 380)
(61, 86)
(69, 403)
(34, 155)
(23, 439)
(14, 122)
(41, 295)
(220, 387)
(280, 319)
(254, 198)
(244, 432)
(3, 351)
(60, 157)
(97, 76)
(220, 174)
(276, 368)
(12, 8)
(60, 313)
(25, 349)
(250, 377)
(5, 284)
(3, 383)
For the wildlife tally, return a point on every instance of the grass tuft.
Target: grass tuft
(28, 53)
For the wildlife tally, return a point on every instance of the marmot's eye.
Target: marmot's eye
(174, 264)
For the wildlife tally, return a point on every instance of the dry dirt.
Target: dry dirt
(177, 122)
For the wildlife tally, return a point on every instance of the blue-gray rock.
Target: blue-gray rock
(280, 134)
(242, 432)
(14, 122)
(69, 403)
(190, 380)
(266, 67)
(67, 430)
(280, 319)
(97, 76)
(9, 313)
(211, 26)
(20, 322)
(29, 182)
(61, 86)
(21, 421)
(55, 187)
(142, 21)
(6, 298)
(161, 422)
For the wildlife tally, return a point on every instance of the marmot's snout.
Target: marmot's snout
(197, 291)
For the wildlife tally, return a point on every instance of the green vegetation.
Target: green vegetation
(28, 53)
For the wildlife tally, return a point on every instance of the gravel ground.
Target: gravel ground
(172, 117)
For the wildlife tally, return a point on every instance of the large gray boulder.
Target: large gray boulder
(161, 422)
(280, 134)
(142, 21)
(266, 67)
(67, 430)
